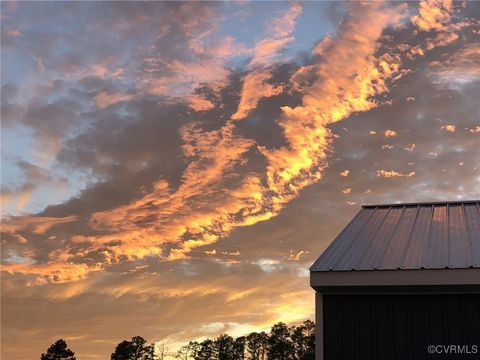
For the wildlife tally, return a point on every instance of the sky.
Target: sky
(172, 169)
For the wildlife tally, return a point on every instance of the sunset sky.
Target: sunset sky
(172, 169)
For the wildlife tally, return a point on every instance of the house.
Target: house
(401, 281)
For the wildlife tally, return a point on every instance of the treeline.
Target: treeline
(281, 343)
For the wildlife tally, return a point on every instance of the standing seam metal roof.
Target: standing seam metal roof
(407, 236)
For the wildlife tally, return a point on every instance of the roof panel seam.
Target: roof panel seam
(352, 241)
(359, 231)
(468, 246)
(332, 244)
(392, 236)
(401, 264)
(360, 260)
(428, 236)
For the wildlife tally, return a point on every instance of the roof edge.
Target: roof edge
(467, 276)
(426, 203)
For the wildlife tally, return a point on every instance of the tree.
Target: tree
(224, 347)
(256, 345)
(58, 351)
(161, 352)
(303, 337)
(206, 351)
(136, 349)
(282, 343)
(280, 346)
(239, 348)
(189, 351)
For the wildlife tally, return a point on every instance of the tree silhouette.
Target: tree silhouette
(239, 348)
(58, 351)
(282, 343)
(280, 346)
(162, 351)
(224, 345)
(206, 351)
(189, 351)
(136, 349)
(256, 345)
(303, 338)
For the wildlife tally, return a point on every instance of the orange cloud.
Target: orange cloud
(53, 271)
(390, 133)
(349, 78)
(199, 103)
(205, 65)
(269, 47)
(255, 84)
(222, 48)
(438, 16)
(104, 99)
(24, 197)
(345, 172)
(393, 173)
(433, 15)
(449, 128)
(184, 76)
(460, 67)
(35, 224)
(215, 252)
(296, 256)
(255, 87)
(13, 34)
(442, 39)
(411, 147)
(217, 192)
(201, 207)
(284, 25)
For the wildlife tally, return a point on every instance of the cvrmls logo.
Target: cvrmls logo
(452, 349)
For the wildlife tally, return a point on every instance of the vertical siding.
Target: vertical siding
(398, 327)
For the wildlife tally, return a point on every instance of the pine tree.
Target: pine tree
(59, 351)
(135, 349)
(303, 337)
(280, 346)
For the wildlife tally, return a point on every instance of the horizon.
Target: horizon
(172, 169)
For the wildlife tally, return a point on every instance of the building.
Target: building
(401, 282)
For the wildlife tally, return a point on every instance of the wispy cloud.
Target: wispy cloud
(255, 83)
(394, 173)
(214, 197)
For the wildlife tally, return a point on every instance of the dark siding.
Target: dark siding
(391, 327)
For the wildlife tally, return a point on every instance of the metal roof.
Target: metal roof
(407, 236)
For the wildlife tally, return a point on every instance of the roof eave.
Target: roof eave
(425, 277)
